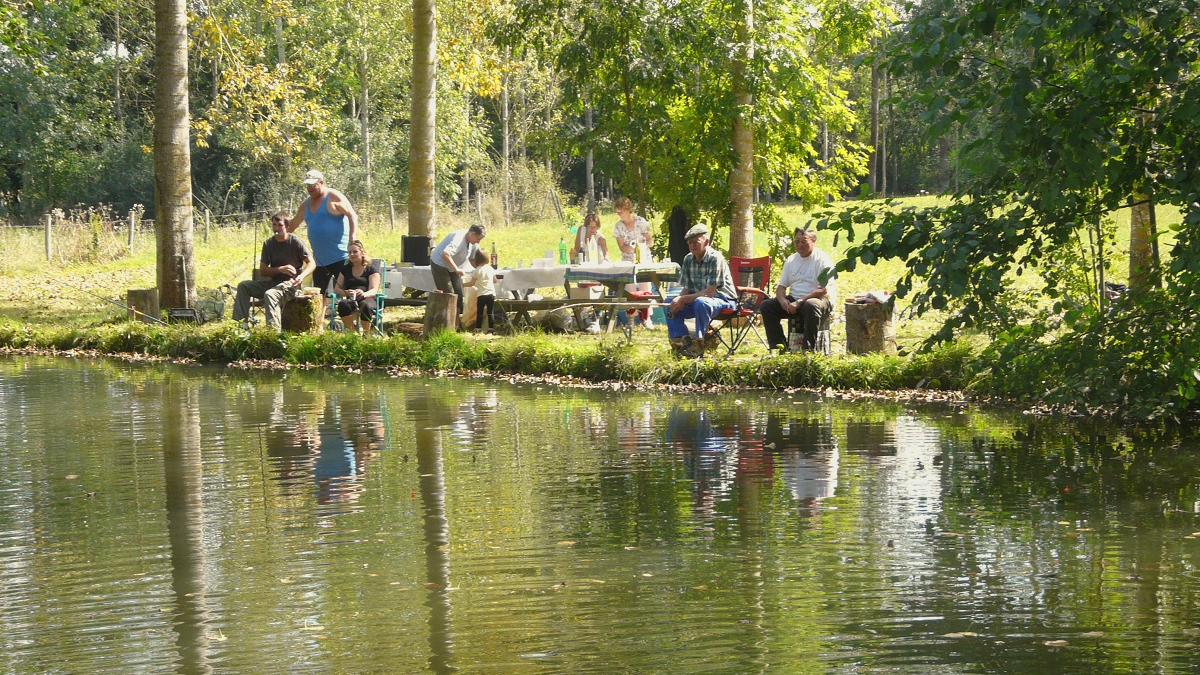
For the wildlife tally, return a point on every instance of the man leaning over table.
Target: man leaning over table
(449, 257)
(801, 293)
(708, 289)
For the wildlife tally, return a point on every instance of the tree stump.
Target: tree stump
(869, 328)
(301, 314)
(144, 301)
(441, 313)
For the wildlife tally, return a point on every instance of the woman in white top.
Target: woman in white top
(630, 231)
(590, 232)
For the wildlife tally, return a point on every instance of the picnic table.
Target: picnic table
(508, 279)
(613, 276)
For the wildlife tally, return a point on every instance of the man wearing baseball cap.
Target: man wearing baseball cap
(332, 224)
(707, 290)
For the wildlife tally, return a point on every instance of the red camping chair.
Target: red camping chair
(751, 276)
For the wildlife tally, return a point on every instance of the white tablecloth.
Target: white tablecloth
(518, 279)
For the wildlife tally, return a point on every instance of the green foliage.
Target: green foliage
(1137, 360)
(1079, 107)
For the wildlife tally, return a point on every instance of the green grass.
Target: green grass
(532, 354)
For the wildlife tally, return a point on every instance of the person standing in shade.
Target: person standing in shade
(801, 293)
(282, 266)
(332, 225)
(708, 290)
(449, 257)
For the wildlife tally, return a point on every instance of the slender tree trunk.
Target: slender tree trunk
(466, 172)
(551, 89)
(505, 141)
(873, 162)
(884, 126)
(895, 151)
(741, 178)
(421, 196)
(364, 116)
(280, 60)
(591, 178)
(172, 157)
(943, 163)
(117, 67)
(523, 117)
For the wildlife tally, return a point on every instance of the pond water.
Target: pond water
(196, 520)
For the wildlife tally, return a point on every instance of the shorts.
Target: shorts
(324, 274)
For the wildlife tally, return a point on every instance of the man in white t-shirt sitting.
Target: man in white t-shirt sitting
(801, 293)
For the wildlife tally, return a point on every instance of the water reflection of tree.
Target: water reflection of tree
(429, 417)
(185, 525)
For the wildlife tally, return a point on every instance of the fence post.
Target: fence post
(132, 224)
(392, 209)
(207, 217)
(49, 224)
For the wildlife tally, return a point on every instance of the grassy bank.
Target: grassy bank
(526, 354)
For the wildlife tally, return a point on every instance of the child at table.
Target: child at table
(483, 278)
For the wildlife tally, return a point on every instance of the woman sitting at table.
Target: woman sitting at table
(357, 285)
(589, 233)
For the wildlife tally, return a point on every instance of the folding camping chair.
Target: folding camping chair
(751, 276)
(335, 322)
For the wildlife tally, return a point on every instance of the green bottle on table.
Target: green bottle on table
(562, 251)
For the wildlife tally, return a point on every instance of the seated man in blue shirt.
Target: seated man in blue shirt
(707, 290)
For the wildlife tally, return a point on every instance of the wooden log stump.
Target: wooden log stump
(144, 301)
(301, 314)
(869, 328)
(441, 313)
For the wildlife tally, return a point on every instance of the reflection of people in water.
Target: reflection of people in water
(348, 436)
(709, 459)
(807, 454)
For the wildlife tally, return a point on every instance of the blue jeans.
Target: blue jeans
(702, 309)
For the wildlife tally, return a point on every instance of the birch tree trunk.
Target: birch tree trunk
(741, 178)
(505, 141)
(591, 178)
(873, 162)
(364, 116)
(466, 171)
(421, 198)
(172, 157)
(280, 59)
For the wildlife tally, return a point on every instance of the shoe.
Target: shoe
(682, 345)
(711, 341)
(648, 323)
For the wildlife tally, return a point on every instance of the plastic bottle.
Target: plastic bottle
(638, 246)
(562, 251)
(494, 258)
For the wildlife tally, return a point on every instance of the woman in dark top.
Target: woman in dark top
(357, 285)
